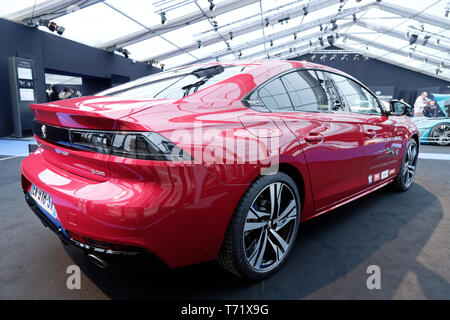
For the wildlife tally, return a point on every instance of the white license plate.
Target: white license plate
(44, 200)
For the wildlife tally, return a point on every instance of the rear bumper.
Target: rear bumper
(179, 213)
(67, 239)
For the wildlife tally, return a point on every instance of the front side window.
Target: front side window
(355, 97)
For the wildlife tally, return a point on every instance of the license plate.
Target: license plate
(44, 200)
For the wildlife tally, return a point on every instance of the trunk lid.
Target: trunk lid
(53, 121)
(92, 112)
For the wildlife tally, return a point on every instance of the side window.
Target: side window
(329, 89)
(358, 99)
(275, 97)
(305, 92)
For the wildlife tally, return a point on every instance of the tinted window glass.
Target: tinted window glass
(330, 91)
(358, 99)
(274, 96)
(305, 91)
(175, 85)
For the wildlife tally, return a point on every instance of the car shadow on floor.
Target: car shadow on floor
(329, 259)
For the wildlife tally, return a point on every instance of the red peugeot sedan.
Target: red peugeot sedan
(213, 161)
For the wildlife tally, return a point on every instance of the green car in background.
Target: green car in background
(436, 130)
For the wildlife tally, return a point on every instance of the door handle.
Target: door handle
(371, 133)
(314, 137)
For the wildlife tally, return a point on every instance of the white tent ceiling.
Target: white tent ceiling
(252, 28)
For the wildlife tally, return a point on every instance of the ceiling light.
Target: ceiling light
(356, 57)
(333, 57)
(320, 27)
(437, 41)
(335, 26)
(313, 57)
(284, 20)
(199, 44)
(425, 39)
(52, 26)
(305, 11)
(323, 57)
(125, 52)
(267, 22)
(163, 18)
(310, 43)
(344, 57)
(413, 38)
(354, 17)
(295, 36)
(321, 41)
(271, 43)
(330, 40)
(212, 6)
(231, 35)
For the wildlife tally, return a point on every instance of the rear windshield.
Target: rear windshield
(175, 84)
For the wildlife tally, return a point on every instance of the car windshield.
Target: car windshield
(175, 84)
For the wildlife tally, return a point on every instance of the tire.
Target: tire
(405, 176)
(257, 241)
(440, 134)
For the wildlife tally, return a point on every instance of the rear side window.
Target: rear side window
(275, 97)
(305, 91)
(175, 85)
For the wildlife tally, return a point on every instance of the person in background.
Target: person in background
(66, 93)
(52, 94)
(419, 104)
(433, 109)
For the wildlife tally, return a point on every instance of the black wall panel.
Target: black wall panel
(55, 54)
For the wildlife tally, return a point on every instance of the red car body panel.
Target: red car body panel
(180, 210)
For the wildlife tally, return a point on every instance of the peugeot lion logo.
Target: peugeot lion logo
(44, 131)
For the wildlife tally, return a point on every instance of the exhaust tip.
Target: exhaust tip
(99, 262)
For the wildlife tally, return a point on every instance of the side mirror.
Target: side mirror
(398, 108)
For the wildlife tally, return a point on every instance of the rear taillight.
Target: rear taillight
(136, 145)
(147, 146)
(129, 144)
(91, 140)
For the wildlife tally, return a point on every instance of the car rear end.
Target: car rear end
(113, 187)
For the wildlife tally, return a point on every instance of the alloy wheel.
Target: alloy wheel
(409, 168)
(441, 135)
(269, 226)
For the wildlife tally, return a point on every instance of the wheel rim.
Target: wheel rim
(442, 135)
(269, 226)
(409, 168)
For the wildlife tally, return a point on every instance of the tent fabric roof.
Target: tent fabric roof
(252, 29)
